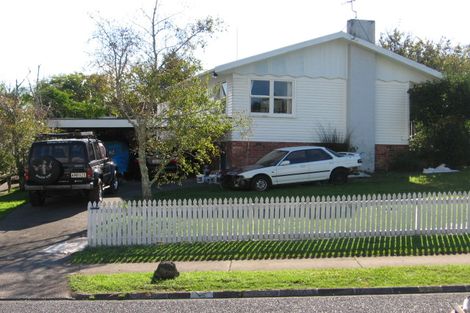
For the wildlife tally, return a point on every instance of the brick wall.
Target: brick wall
(240, 153)
(384, 154)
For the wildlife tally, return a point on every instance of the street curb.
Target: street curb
(273, 293)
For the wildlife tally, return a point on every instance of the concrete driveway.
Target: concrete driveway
(26, 270)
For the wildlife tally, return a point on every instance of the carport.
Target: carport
(117, 135)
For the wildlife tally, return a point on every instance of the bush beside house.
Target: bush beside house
(440, 113)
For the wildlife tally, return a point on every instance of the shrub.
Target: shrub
(333, 139)
(448, 141)
(409, 161)
(440, 111)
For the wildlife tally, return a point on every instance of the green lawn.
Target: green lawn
(380, 183)
(272, 280)
(11, 201)
(257, 250)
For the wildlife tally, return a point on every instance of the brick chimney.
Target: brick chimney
(363, 29)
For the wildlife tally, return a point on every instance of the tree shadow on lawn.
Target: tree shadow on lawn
(292, 249)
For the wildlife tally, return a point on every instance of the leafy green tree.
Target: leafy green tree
(440, 109)
(444, 56)
(21, 121)
(156, 87)
(440, 112)
(75, 95)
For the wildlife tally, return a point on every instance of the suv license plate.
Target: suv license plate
(77, 175)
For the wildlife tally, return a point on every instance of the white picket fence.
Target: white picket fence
(150, 222)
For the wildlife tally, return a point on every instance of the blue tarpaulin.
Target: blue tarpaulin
(119, 152)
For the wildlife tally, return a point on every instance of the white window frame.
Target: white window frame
(271, 97)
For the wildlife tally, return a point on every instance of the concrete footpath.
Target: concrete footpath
(285, 264)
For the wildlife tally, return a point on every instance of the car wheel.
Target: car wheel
(37, 198)
(260, 183)
(96, 194)
(339, 176)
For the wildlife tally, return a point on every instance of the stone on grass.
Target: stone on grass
(165, 270)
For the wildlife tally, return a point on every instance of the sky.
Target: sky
(55, 34)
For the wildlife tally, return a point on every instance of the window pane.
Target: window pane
(219, 91)
(260, 87)
(223, 90)
(297, 157)
(91, 155)
(282, 89)
(77, 153)
(283, 106)
(317, 155)
(260, 105)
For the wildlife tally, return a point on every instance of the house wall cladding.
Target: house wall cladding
(392, 113)
(318, 103)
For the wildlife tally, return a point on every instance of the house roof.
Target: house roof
(317, 41)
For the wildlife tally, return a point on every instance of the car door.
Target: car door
(295, 171)
(320, 164)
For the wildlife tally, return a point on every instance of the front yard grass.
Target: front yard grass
(11, 201)
(273, 280)
(294, 249)
(379, 183)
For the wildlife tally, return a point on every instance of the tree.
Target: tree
(439, 109)
(155, 86)
(21, 121)
(440, 114)
(75, 95)
(444, 56)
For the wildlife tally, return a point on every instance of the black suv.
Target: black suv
(69, 161)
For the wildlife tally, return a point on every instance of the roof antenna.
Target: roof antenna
(352, 7)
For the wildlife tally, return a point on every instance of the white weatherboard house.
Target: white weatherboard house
(341, 82)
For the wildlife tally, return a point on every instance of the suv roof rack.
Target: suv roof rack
(75, 134)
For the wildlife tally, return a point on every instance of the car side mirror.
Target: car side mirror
(284, 163)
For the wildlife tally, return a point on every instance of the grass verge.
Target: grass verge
(257, 250)
(269, 280)
(379, 183)
(11, 201)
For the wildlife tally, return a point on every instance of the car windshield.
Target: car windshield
(272, 158)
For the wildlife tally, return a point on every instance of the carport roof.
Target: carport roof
(89, 123)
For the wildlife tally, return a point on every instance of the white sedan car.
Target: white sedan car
(293, 165)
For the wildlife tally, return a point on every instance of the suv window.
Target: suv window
(101, 150)
(314, 155)
(91, 153)
(297, 157)
(62, 152)
(57, 151)
(77, 153)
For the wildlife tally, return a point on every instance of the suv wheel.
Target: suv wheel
(114, 186)
(37, 198)
(260, 183)
(96, 194)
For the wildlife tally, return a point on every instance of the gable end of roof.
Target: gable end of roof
(317, 41)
